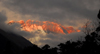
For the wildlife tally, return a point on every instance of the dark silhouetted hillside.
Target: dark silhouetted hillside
(12, 43)
(17, 39)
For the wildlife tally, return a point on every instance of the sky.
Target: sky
(65, 12)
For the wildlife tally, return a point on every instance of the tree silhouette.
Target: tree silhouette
(98, 14)
(32, 50)
(91, 45)
(45, 47)
(54, 50)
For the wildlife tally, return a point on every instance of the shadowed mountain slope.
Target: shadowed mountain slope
(11, 43)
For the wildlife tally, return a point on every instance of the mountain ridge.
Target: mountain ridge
(17, 39)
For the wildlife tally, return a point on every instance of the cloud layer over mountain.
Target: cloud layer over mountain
(66, 12)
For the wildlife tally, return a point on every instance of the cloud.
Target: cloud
(55, 39)
(66, 12)
(10, 28)
(3, 18)
(53, 8)
(37, 37)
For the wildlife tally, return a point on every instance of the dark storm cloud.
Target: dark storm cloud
(59, 10)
